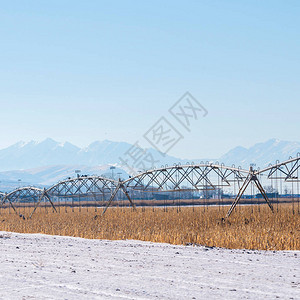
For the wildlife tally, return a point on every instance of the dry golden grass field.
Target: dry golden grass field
(247, 228)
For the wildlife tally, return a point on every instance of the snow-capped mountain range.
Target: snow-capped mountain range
(45, 163)
(261, 154)
(49, 175)
(49, 161)
(49, 152)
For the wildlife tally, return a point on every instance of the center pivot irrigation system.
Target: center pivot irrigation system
(202, 182)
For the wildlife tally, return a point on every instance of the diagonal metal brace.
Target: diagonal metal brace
(251, 177)
(113, 195)
(40, 200)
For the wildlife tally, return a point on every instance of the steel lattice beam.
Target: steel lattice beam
(167, 179)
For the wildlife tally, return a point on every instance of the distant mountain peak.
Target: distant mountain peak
(262, 154)
(48, 141)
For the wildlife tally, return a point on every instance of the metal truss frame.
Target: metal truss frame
(172, 178)
(83, 186)
(27, 193)
(285, 170)
(166, 179)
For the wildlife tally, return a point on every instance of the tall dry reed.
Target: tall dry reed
(247, 228)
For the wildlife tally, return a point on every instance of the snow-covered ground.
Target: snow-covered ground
(35, 266)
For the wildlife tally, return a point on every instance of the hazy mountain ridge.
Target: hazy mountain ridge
(261, 154)
(49, 175)
(49, 152)
(48, 161)
(45, 163)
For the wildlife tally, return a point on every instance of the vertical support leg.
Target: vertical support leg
(39, 201)
(261, 189)
(37, 204)
(49, 199)
(113, 195)
(127, 195)
(251, 177)
(118, 187)
(239, 195)
(13, 208)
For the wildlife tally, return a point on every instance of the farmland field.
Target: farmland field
(249, 227)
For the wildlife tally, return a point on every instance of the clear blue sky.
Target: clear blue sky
(91, 70)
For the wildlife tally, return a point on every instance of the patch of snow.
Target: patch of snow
(36, 266)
